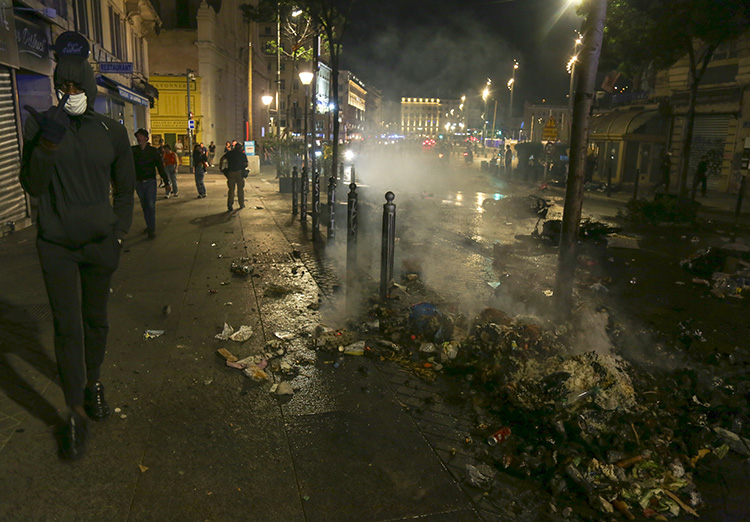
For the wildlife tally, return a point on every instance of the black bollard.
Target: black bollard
(353, 180)
(316, 202)
(303, 196)
(388, 245)
(295, 177)
(331, 208)
(352, 219)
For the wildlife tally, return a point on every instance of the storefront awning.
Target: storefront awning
(619, 124)
(126, 93)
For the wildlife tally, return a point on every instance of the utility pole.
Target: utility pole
(584, 95)
(249, 133)
(278, 69)
(188, 74)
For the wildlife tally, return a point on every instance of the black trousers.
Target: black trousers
(77, 282)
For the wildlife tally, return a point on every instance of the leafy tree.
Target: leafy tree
(332, 17)
(296, 31)
(660, 32)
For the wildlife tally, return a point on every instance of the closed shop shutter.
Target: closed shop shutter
(709, 137)
(12, 198)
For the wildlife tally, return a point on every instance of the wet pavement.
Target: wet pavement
(361, 439)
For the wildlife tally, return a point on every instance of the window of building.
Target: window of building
(81, 9)
(267, 30)
(115, 32)
(282, 85)
(96, 24)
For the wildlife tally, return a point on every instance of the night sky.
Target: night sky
(446, 48)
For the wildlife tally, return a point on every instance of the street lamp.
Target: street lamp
(511, 85)
(189, 76)
(306, 78)
(267, 99)
(572, 71)
(485, 95)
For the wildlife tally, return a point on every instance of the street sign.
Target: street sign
(549, 133)
(250, 148)
(116, 67)
(191, 124)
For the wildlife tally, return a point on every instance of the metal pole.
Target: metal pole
(351, 237)
(388, 244)
(316, 202)
(278, 68)
(352, 180)
(295, 177)
(314, 103)
(190, 132)
(332, 207)
(303, 196)
(307, 103)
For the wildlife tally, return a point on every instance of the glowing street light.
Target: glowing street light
(572, 70)
(511, 85)
(306, 78)
(485, 95)
(267, 99)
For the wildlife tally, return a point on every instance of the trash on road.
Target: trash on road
(226, 355)
(153, 334)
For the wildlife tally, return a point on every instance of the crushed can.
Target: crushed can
(499, 436)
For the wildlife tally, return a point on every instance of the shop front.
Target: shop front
(121, 103)
(627, 142)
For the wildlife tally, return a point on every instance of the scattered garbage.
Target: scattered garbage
(226, 355)
(727, 267)
(166, 310)
(153, 334)
(241, 267)
(285, 336)
(228, 333)
(282, 388)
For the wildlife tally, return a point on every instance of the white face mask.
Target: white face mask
(76, 104)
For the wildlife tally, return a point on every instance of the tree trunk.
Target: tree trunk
(584, 95)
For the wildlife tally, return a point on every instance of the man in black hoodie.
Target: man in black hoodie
(71, 157)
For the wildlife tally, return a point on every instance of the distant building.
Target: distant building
(537, 115)
(352, 107)
(428, 117)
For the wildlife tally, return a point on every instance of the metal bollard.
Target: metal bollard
(303, 196)
(331, 208)
(388, 244)
(353, 180)
(295, 178)
(352, 219)
(316, 202)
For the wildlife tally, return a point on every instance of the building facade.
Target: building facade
(352, 107)
(428, 117)
(213, 44)
(631, 131)
(116, 31)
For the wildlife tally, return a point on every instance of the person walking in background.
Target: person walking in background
(170, 166)
(234, 164)
(72, 158)
(508, 162)
(178, 148)
(211, 153)
(227, 147)
(147, 163)
(200, 165)
(700, 176)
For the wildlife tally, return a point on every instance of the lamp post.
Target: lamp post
(572, 71)
(485, 95)
(267, 99)
(306, 78)
(511, 85)
(188, 77)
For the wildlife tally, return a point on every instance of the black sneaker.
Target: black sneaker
(73, 438)
(94, 403)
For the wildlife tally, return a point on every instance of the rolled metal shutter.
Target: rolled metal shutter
(709, 137)
(12, 198)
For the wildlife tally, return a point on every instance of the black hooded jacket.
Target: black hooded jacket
(73, 181)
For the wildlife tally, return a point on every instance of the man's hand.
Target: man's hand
(53, 122)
